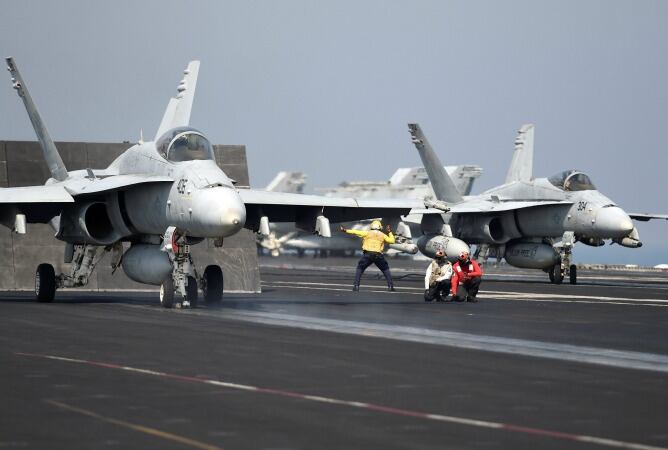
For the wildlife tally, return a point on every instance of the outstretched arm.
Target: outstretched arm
(360, 233)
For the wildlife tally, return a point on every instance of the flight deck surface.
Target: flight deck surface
(309, 364)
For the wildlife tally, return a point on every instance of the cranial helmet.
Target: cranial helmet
(464, 255)
(376, 225)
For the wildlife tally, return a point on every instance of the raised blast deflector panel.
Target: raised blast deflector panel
(530, 255)
(146, 264)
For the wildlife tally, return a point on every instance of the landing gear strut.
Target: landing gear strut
(82, 259)
(180, 287)
(563, 268)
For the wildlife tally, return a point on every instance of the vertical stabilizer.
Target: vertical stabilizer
(521, 167)
(444, 188)
(51, 155)
(178, 109)
(292, 182)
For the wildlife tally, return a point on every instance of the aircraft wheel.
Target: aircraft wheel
(551, 275)
(213, 284)
(167, 293)
(191, 292)
(573, 276)
(45, 283)
(557, 274)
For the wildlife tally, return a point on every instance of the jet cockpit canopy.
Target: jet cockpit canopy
(184, 144)
(572, 180)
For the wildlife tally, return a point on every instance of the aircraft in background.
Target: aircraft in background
(406, 182)
(531, 222)
(161, 197)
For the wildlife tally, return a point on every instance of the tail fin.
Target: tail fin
(521, 167)
(292, 182)
(178, 109)
(463, 177)
(443, 186)
(53, 160)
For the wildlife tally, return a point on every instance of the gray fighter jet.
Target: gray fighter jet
(532, 222)
(161, 197)
(406, 182)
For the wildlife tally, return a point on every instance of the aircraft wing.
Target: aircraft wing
(84, 186)
(647, 217)
(38, 203)
(286, 207)
(481, 205)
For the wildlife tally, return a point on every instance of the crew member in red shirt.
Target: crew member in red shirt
(466, 277)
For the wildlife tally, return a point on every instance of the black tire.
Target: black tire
(45, 283)
(551, 275)
(191, 292)
(573, 276)
(557, 274)
(167, 293)
(213, 284)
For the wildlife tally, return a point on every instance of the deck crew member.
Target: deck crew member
(466, 277)
(437, 278)
(373, 244)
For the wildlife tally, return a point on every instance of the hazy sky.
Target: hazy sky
(328, 87)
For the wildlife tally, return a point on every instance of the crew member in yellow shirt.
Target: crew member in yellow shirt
(373, 243)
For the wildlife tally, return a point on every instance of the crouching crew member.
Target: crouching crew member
(437, 278)
(373, 243)
(466, 276)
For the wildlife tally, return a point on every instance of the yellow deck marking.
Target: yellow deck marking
(142, 429)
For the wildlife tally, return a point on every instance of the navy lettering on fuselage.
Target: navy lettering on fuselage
(181, 187)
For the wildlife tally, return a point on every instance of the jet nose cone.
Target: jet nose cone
(220, 212)
(233, 213)
(612, 222)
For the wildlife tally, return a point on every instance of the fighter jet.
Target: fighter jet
(532, 222)
(160, 197)
(406, 182)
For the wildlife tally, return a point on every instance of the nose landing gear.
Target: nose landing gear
(563, 268)
(180, 288)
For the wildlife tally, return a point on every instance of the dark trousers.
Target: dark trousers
(468, 288)
(438, 291)
(378, 259)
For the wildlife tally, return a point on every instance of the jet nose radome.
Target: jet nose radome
(612, 222)
(220, 211)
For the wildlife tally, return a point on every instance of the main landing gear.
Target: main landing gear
(82, 259)
(563, 268)
(180, 288)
